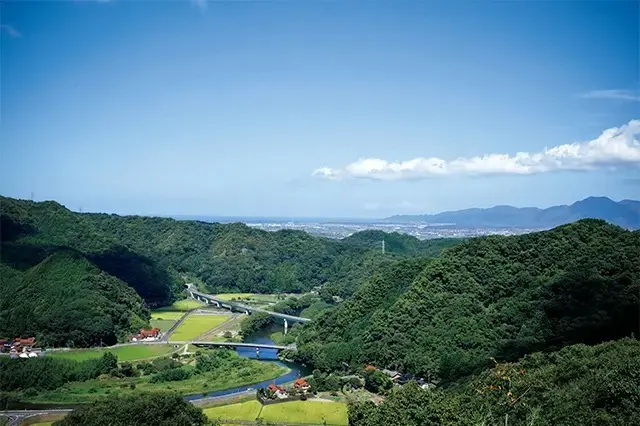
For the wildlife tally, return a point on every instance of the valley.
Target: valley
(379, 338)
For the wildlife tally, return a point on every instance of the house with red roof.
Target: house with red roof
(301, 384)
(145, 334)
(279, 392)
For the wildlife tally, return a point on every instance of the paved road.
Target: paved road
(18, 416)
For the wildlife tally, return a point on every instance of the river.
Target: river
(265, 355)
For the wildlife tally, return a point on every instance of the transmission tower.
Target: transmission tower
(382, 246)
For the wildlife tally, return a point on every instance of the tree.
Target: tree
(156, 409)
(376, 381)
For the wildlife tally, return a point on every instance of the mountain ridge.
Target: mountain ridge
(624, 213)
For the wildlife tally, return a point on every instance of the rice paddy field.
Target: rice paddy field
(124, 353)
(196, 325)
(243, 411)
(333, 413)
(162, 324)
(309, 412)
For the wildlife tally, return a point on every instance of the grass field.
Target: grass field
(162, 324)
(243, 411)
(43, 420)
(166, 314)
(314, 412)
(244, 372)
(229, 296)
(195, 325)
(254, 297)
(124, 353)
(334, 413)
(182, 305)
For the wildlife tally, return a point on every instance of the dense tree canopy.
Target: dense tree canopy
(156, 409)
(491, 296)
(578, 385)
(150, 254)
(66, 300)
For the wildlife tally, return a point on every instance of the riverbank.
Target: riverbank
(229, 374)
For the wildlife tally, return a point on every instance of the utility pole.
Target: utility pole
(382, 246)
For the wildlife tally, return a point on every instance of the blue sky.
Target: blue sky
(335, 109)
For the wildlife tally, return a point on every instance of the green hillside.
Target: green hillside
(492, 296)
(150, 254)
(578, 385)
(66, 300)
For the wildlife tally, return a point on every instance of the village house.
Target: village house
(146, 335)
(393, 375)
(302, 385)
(279, 392)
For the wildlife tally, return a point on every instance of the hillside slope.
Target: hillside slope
(578, 385)
(151, 254)
(67, 300)
(495, 296)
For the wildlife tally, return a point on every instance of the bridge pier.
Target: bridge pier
(286, 326)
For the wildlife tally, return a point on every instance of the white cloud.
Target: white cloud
(618, 146)
(12, 32)
(613, 94)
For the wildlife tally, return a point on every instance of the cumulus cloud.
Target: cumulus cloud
(618, 146)
(613, 94)
(11, 32)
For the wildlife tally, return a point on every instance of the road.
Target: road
(18, 416)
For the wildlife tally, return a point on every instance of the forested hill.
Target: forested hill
(66, 300)
(493, 296)
(153, 254)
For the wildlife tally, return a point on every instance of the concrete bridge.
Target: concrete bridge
(213, 300)
(240, 345)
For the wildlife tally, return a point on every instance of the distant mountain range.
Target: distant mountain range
(625, 213)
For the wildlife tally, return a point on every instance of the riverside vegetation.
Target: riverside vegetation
(59, 380)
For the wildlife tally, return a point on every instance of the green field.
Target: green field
(195, 325)
(124, 353)
(229, 296)
(157, 314)
(162, 324)
(243, 411)
(334, 413)
(243, 372)
(315, 412)
(253, 297)
(182, 305)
